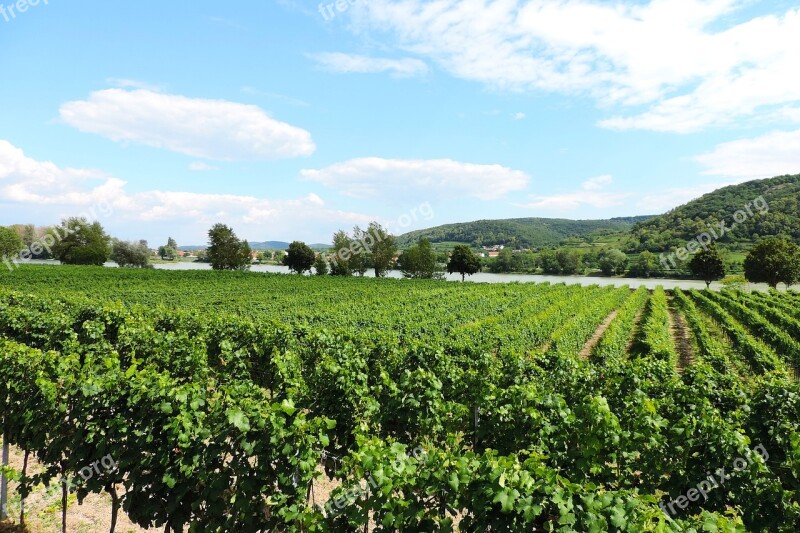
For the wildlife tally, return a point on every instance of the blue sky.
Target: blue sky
(290, 120)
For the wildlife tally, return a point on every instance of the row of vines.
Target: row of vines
(474, 411)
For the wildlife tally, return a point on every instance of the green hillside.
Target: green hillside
(774, 204)
(774, 209)
(523, 232)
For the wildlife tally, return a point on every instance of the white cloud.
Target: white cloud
(200, 166)
(689, 63)
(597, 183)
(358, 64)
(769, 155)
(132, 84)
(209, 129)
(56, 191)
(519, 116)
(665, 200)
(441, 178)
(590, 194)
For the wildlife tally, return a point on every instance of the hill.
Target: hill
(523, 232)
(774, 209)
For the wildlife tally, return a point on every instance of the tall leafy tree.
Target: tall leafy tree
(772, 261)
(299, 257)
(524, 262)
(419, 261)
(383, 249)
(549, 262)
(359, 264)
(463, 261)
(569, 261)
(708, 265)
(504, 262)
(645, 266)
(226, 251)
(612, 262)
(79, 242)
(169, 252)
(321, 265)
(340, 261)
(10, 243)
(130, 254)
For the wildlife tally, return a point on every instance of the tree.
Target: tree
(463, 261)
(10, 243)
(504, 262)
(131, 254)
(708, 265)
(77, 242)
(383, 248)
(645, 265)
(169, 252)
(246, 255)
(321, 265)
(772, 261)
(226, 251)
(549, 262)
(612, 262)
(299, 257)
(569, 261)
(359, 264)
(419, 261)
(340, 262)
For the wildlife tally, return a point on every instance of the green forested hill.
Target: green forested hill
(522, 232)
(780, 215)
(780, 196)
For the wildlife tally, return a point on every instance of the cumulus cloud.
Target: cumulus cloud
(209, 129)
(769, 155)
(590, 194)
(359, 64)
(680, 65)
(55, 190)
(664, 200)
(374, 177)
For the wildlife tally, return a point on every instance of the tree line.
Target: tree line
(77, 241)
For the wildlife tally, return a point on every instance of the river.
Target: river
(485, 277)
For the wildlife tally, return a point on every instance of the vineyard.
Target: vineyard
(227, 399)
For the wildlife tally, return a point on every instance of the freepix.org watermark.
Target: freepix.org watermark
(335, 505)
(55, 235)
(9, 12)
(715, 232)
(86, 473)
(424, 211)
(715, 480)
(328, 10)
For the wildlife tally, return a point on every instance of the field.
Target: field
(249, 402)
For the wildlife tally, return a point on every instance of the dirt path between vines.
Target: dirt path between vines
(598, 334)
(635, 329)
(680, 335)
